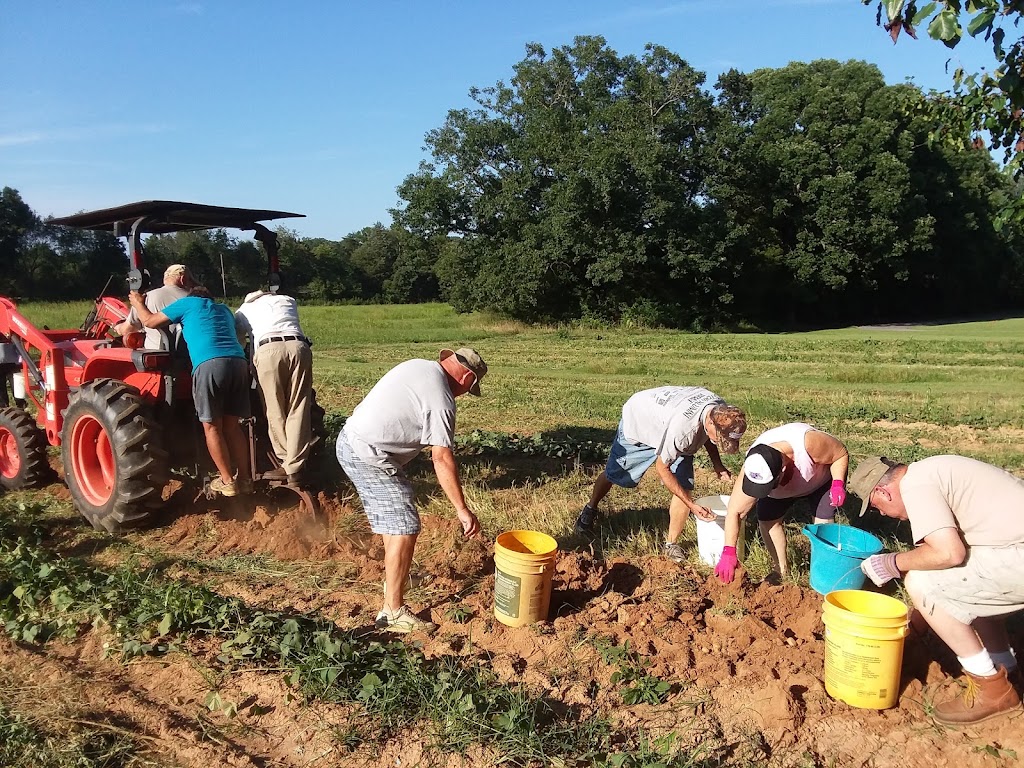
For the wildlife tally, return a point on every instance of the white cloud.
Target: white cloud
(79, 133)
(189, 9)
(17, 139)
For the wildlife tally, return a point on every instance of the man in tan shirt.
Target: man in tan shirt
(966, 572)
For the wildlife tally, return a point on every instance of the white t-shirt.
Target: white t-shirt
(410, 408)
(984, 502)
(269, 315)
(668, 419)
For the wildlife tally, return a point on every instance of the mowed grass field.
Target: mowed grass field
(905, 392)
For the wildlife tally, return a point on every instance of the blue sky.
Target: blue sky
(321, 107)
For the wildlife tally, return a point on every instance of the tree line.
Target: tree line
(622, 188)
(44, 261)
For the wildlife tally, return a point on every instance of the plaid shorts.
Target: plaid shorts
(990, 583)
(387, 498)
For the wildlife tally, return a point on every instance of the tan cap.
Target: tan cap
(864, 479)
(470, 359)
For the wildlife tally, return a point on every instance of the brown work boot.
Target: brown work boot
(984, 697)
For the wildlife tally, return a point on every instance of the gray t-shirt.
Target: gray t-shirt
(156, 300)
(410, 408)
(984, 502)
(668, 419)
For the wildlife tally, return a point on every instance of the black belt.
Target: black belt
(269, 339)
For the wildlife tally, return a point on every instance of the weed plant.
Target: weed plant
(32, 742)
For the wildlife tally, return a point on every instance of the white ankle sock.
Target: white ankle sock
(1004, 659)
(978, 664)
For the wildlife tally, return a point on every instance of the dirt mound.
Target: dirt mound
(744, 661)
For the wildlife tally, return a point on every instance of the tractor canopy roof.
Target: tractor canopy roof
(164, 216)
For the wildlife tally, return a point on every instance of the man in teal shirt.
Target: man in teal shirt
(220, 380)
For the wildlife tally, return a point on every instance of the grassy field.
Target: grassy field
(906, 392)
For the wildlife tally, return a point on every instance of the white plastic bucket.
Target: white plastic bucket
(711, 533)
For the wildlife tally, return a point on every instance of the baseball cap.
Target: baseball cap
(470, 359)
(866, 476)
(762, 470)
(730, 423)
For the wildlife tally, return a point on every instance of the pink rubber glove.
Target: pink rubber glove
(837, 493)
(881, 569)
(726, 568)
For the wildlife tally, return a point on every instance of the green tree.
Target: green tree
(832, 206)
(574, 189)
(18, 225)
(983, 104)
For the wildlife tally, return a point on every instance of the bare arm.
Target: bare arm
(825, 449)
(716, 461)
(940, 549)
(670, 482)
(739, 507)
(447, 472)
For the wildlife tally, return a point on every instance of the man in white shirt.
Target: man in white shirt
(283, 360)
(410, 408)
(666, 426)
(966, 573)
(178, 281)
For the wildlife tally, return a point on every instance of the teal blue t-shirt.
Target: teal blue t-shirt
(208, 328)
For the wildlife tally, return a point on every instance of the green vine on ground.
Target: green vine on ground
(45, 596)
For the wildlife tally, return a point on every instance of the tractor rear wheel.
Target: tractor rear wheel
(22, 450)
(114, 461)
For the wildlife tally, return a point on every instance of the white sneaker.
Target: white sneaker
(403, 620)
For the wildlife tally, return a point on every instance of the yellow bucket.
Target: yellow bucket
(524, 562)
(864, 635)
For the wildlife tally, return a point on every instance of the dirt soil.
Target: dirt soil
(745, 660)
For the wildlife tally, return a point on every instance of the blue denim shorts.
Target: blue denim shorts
(628, 462)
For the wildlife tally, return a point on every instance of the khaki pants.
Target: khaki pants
(285, 373)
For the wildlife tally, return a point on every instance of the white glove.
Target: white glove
(881, 569)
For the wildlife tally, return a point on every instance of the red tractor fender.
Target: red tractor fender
(120, 364)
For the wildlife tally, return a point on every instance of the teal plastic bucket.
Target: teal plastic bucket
(836, 554)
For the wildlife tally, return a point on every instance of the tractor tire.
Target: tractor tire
(115, 464)
(23, 461)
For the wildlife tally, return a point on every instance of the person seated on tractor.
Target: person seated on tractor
(283, 361)
(178, 281)
(220, 380)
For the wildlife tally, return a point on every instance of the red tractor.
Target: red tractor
(123, 417)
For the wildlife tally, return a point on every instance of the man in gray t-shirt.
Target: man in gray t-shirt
(178, 281)
(665, 427)
(966, 573)
(410, 408)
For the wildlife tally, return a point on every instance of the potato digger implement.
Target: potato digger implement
(124, 418)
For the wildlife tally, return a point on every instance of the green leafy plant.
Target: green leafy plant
(458, 613)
